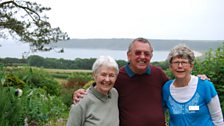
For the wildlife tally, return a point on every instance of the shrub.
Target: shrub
(40, 107)
(75, 81)
(213, 66)
(11, 108)
(38, 78)
(79, 78)
(66, 95)
(12, 80)
(37, 105)
(87, 85)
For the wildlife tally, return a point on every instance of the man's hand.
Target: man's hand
(78, 94)
(203, 77)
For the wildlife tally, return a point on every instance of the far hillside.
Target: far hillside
(122, 44)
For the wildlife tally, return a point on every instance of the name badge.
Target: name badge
(193, 108)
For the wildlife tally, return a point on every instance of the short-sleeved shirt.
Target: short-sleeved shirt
(193, 112)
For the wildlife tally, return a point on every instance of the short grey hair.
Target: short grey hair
(140, 39)
(181, 51)
(107, 61)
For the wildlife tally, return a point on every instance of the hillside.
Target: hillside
(122, 44)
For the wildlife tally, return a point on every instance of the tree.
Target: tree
(25, 21)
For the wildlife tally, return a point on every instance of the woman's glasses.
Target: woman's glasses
(183, 63)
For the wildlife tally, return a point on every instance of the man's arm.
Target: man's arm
(203, 77)
(77, 95)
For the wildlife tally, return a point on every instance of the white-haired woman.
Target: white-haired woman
(100, 106)
(190, 100)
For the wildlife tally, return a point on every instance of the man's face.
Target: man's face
(139, 57)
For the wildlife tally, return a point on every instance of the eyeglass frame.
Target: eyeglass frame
(183, 63)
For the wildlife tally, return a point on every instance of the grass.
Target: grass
(65, 70)
(59, 122)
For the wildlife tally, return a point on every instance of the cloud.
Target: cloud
(156, 19)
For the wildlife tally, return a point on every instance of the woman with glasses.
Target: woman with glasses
(99, 106)
(189, 100)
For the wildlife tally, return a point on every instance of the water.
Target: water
(18, 50)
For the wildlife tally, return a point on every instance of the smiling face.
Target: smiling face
(181, 68)
(139, 57)
(105, 78)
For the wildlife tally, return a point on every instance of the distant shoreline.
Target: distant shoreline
(197, 53)
(21, 50)
(122, 44)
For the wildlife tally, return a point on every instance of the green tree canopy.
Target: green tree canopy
(27, 22)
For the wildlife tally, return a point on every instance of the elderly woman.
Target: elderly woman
(190, 100)
(100, 106)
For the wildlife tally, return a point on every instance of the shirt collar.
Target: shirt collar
(131, 73)
(99, 95)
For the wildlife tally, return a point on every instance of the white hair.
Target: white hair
(107, 61)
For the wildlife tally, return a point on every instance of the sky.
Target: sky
(153, 19)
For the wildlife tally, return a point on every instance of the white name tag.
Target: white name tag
(193, 108)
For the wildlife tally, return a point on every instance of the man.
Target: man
(139, 85)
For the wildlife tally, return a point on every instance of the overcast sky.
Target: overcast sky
(153, 19)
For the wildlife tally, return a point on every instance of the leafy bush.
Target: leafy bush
(66, 95)
(41, 107)
(2, 75)
(67, 92)
(60, 75)
(39, 78)
(213, 66)
(75, 81)
(79, 78)
(37, 106)
(12, 80)
(11, 107)
(162, 64)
